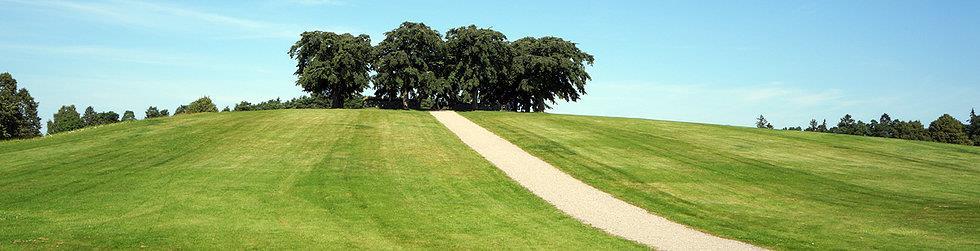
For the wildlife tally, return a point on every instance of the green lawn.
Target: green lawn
(779, 189)
(289, 179)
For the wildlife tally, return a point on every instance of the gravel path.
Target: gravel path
(581, 201)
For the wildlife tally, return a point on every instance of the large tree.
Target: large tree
(66, 119)
(332, 65)
(545, 70)
(478, 62)
(948, 129)
(90, 117)
(18, 110)
(409, 63)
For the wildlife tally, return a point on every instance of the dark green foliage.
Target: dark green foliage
(153, 112)
(913, 130)
(973, 128)
(66, 119)
(847, 125)
(180, 110)
(243, 106)
(479, 61)
(761, 122)
(18, 111)
(948, 129)
(792, 128)
(409, 64)
(203, 104)
(128, 116)
(332, 65)
(227, 109)
(885, 127)
(90, 117)
(108, 117)
(303, 102)
(94, 118)
(545, 70)
(813, 126)
(354, 102)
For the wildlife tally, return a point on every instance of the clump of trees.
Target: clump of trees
(416, 68)
(153, 112)
(18, 111)
(203, 104)
(67, 118)
(945, 129)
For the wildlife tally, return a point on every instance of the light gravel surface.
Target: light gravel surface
(579, 200)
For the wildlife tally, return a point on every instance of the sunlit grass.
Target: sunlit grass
(289, 179)
(780, 189)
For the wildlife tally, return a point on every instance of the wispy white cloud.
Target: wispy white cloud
(108, 53)
(175, 18)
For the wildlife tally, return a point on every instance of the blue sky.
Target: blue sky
(721, 62)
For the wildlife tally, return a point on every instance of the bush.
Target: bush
(947, 129)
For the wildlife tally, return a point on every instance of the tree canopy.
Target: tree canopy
(545, 70)
(332, 65)
(128, 116)
(948, 130)
(18, 111)
(203, 104)
(409, 63)
(479, 60)
(66, 119)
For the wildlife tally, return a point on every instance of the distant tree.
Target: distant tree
(545, 70)
(66, 119)
(847, 125)
(244, 106)
(479, 61)
(332, 65)
(885, 127)
(18, 111)
(793, 128)
(203, 104)
(128, 116)
(761, 122)
(108, 118)
(813, 126)
(91, 117)
(861, 129)
(913, 130)
(974, 126)
(180, 110)
(164, 113)
(873, 128)
(823, 127)
(227, 109)
(409, 63)
(948, 129)
(152, 112)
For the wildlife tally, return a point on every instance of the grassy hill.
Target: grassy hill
(284, 179)
(780, 189)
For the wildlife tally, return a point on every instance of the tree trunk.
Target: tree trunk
(539, 105)
(474, 100)
(404, 100)
(337, 101)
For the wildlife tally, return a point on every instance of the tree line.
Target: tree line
(945, 129)
(415, 67)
